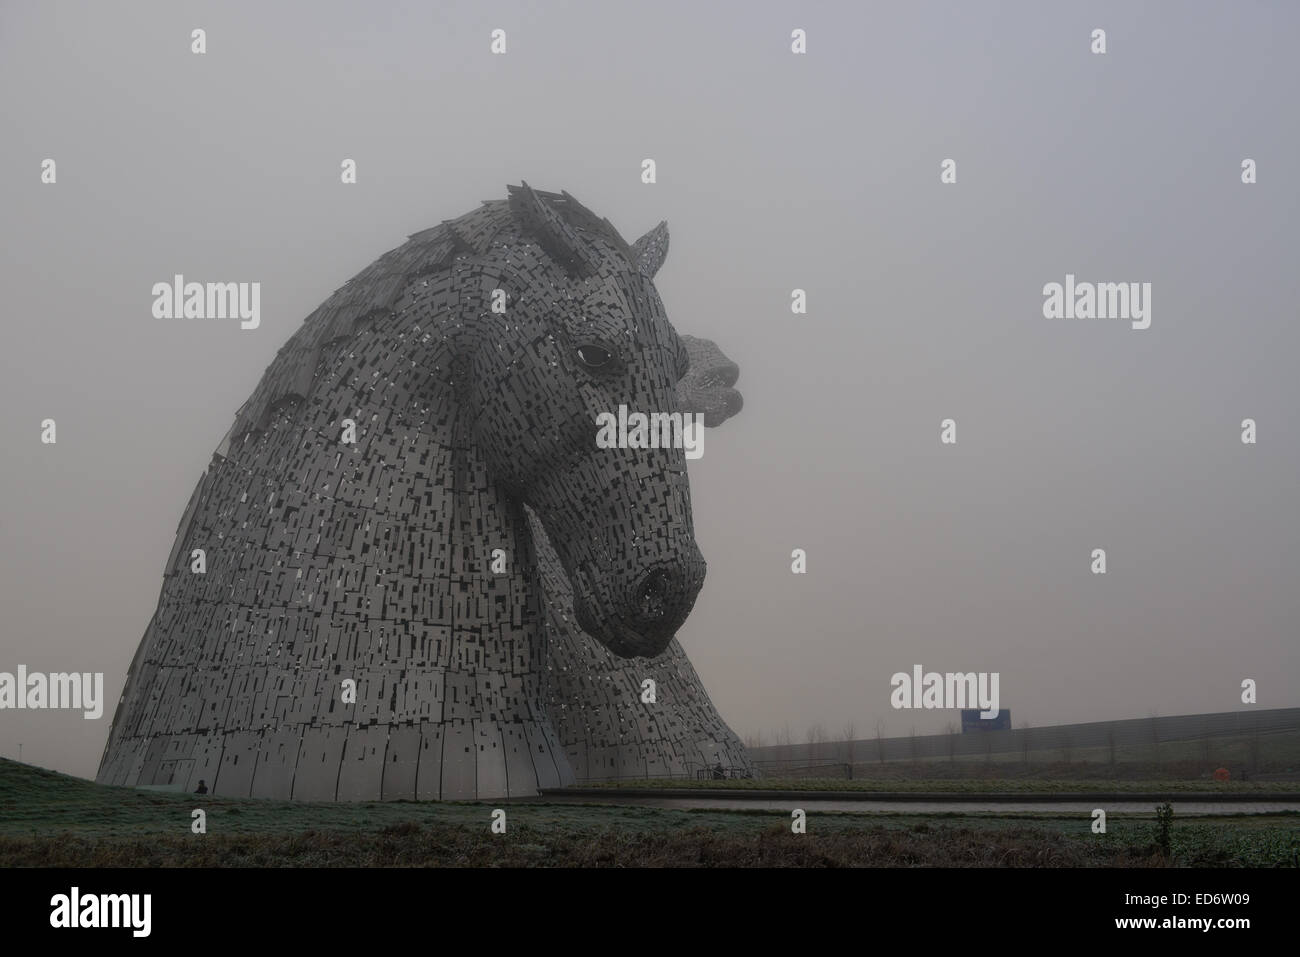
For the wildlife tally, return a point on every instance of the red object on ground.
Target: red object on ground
(1221, 774)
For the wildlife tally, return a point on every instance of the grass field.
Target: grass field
(50, 819)
(957, 785)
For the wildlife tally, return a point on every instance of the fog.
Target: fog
(775, 171)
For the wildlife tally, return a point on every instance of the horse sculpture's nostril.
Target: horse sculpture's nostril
(660, 602)
(654, 596)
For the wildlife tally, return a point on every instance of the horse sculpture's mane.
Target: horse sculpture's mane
(558, 222)
(456, 684)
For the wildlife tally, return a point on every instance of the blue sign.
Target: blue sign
(971, 721)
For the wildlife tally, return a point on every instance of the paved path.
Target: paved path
(1055, 808)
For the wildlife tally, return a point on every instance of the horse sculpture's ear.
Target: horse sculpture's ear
(649, 252)
(561, 242)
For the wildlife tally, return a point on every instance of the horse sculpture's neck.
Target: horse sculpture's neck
(391, 561)
(446, 564)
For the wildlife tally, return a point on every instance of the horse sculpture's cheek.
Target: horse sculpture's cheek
(634, 581)
(520, 458)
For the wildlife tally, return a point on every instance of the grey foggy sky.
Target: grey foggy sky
(775, 171)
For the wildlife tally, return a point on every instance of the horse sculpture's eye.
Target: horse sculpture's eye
(594, 357)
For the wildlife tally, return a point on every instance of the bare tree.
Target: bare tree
(1254, 745)
(816, 735)
(849, 733)
(1024, 741)
(784, 740)
(880, 740)
(952, 742)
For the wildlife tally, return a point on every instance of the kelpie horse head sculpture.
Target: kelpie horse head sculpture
(352, 608)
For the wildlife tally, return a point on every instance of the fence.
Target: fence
(1065, 738)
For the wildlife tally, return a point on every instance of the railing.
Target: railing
(694, 772)
(722, 774)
